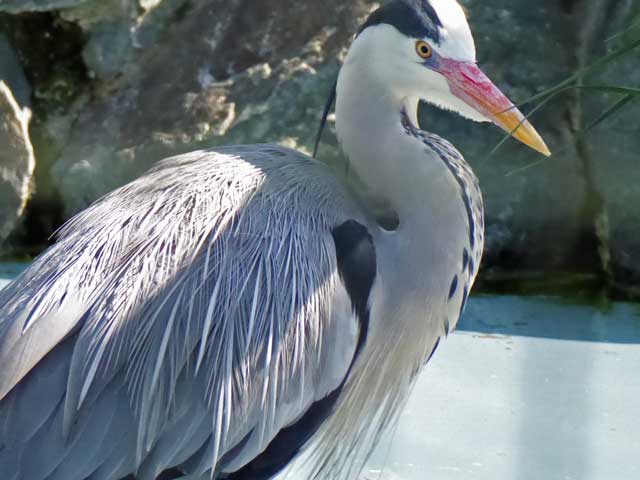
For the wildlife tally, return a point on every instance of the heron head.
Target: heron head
(423, 49)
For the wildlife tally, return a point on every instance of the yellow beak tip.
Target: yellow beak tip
(545, 151)
(528, 135)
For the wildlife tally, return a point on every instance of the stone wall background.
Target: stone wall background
(114, 85)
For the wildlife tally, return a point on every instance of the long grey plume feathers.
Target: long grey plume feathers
(162, 280)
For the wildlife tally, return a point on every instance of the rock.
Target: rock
(23, 6)
(613, 152)
(12, 74)
(116, 30)
(17, 161)
(221, 74)
(109, 27)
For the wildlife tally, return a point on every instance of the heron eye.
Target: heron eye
(423, 49)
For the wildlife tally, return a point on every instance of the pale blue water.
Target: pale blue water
(528, 388)
(9, 271)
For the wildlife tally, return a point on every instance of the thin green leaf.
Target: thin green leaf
(582, 72)
(526, 167)
(609, 111)
(635, 23)
(619, 104)
(634, 92)
(574, 81)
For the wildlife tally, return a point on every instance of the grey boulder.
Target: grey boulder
(17, 161)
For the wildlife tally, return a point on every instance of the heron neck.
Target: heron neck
(392, 164)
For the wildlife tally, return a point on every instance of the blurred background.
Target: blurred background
(96, 91)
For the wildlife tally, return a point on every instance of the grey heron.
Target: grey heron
(234, 306)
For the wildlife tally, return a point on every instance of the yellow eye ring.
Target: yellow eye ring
(423, 49)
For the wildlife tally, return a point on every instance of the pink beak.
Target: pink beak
(471, 85)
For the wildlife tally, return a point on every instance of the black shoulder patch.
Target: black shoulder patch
(414, 18)
(356, 255)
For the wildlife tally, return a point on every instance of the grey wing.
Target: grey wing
(183, 320)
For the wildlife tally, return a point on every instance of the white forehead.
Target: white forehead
(456, 41)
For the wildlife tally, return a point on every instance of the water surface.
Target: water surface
(8, 271)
